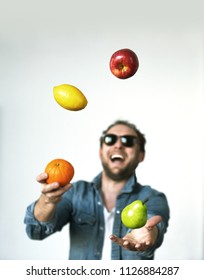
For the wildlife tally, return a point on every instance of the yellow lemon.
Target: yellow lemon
(69, 97)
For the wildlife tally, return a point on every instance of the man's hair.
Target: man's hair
(140, 135)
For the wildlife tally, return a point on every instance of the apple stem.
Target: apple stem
(145, 200)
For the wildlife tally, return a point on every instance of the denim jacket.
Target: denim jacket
(82, 208)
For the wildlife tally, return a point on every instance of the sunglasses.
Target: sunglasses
(126, 140)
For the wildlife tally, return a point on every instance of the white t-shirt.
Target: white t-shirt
(109, 220)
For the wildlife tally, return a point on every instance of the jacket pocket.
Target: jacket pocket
(82, 218)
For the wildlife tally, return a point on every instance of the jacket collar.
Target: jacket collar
(129, 186)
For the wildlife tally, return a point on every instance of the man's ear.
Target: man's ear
(100, 152)
(141, 156)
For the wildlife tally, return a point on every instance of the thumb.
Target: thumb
(153, 221)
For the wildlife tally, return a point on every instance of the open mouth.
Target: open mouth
(117, 158)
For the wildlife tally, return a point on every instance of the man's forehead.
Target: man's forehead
(121, 129)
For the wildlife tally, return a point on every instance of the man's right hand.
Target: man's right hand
(51, 194)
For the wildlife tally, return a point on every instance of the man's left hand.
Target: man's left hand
(140, 239)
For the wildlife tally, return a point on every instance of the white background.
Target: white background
(45, 43)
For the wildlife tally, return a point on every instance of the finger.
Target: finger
(153, 221)
(134, 247)
(55, 196)
(141, 247)
(47, 188)
(68, 186)
(128, 245)
(52, 199)
(41, 178)
(55, 187)
(123, 243)
(113, 237)
(117, 240)
(62, 190)
(137, 246)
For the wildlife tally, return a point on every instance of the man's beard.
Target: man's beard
(122, 175)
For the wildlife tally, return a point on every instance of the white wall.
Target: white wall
(46, 43)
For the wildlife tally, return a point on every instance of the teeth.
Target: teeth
(117, 157)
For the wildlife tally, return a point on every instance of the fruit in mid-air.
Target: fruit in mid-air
(69, 97)
(134, 215)
(59, 170)
(124, 63)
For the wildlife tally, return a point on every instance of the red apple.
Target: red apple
(124, 63)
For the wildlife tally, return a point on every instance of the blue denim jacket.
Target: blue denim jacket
(82, 208)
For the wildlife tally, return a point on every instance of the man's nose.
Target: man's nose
(118, 143)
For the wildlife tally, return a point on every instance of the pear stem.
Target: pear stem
(145, 200)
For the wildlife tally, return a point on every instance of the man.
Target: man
(93, 209)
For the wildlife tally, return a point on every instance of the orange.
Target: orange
(59, 170)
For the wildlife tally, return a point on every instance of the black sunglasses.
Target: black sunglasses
(126, 140)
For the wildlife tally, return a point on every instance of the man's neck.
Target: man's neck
(110, 190)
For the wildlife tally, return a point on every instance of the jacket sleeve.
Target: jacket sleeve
(40, 230)
(158, 205)
(35, 229)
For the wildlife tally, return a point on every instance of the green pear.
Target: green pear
(134, 215)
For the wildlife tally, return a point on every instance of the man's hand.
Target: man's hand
(52, 192)
(51, 195)
(140, 239)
